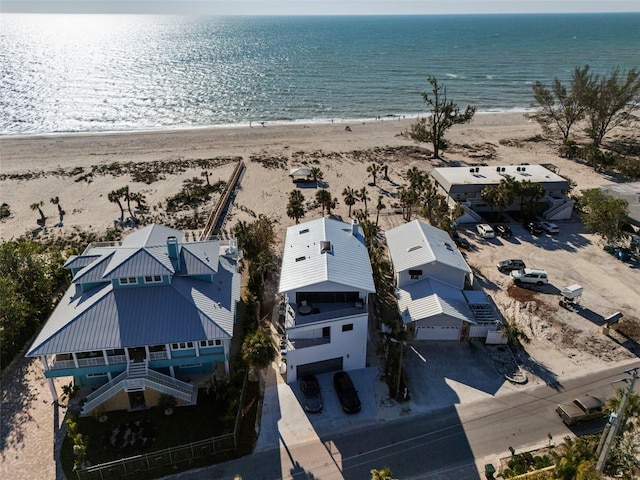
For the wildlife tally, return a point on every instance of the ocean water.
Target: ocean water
(92, 73)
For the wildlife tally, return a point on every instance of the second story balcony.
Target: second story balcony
(306, 313)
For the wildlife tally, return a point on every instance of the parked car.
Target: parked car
(529, 275)
(582, 409)
(485, 230)
(346, 392)
(311, 397)
(460, 241)
(550, 228)
(503, 230)
(534, 228)
(510, 265)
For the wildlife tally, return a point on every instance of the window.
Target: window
(326, 332)
(348, 327)
(152, 279)
(415, 274)
(128, 281)
(181, 345)
(191, 365)
(93, 375)
(211, 343)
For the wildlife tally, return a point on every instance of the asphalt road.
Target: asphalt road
(443, 444)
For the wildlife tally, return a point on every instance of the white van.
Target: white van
(485, 230)
(529, 275)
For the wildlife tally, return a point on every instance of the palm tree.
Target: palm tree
(36, 206)
(126, 194)
(408, 199)
(514, 334)
(139, 198)
(258, 349)
(490, 195)
(373, 170)
(316, 175)
(324, 199)
(632, 410)
(205, 174)
(362, 195)
(56, 202)
(295, 208)
(350, 198)
(416, 179)
(379, 206)
(114, 197)
(384, 474)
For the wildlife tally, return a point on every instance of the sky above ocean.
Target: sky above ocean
(93, 73)
(315, 7)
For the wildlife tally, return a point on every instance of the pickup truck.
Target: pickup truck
(582, 409)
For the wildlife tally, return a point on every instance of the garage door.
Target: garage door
(316, 368)
(438, 333)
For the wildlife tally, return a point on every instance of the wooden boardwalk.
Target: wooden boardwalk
(217, 217)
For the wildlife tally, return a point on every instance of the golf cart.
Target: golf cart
(570, 296)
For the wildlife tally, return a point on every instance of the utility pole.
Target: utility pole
(615, 422)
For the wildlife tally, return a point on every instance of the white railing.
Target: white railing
(158, 355)
(91, 362)
(54, 364)
(157, 381)
(115, 359)
(100, 245)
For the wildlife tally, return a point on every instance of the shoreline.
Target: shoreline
(256, 124)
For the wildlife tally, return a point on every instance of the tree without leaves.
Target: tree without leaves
(611, 102)
(444, 114)
(558, 109)
(350, 198)
(604, 214)
(295, 207)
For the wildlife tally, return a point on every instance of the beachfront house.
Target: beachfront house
(464, 185)
(325, 283)
(142, 318)
(434, 286)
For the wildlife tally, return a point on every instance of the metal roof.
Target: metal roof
(151, 236)
(345, 260)
(199, 258)
(185, 310)
(417, 243)
(428, 298)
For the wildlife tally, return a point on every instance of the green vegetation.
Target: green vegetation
(604, 214)
(597, 104)
(295, 207)
(444, 115)
(31, 279)
(384, 474)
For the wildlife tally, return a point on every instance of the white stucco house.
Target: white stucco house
(464, 185)
(325, 283)
(434, 285)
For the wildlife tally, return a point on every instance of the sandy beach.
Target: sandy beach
(38, 168)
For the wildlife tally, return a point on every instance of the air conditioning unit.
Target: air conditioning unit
(477, 169)
(497, 169)
(523, 169)
(518, 169)
(503, 169)
(471, 170)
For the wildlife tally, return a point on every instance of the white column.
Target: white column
(226, 356)
(126, 354)
(43, 359)
(168, 350)
(172, 372)
(196, 344)
(75, 359)
(52, 387)
(106, 358)
(146, 353)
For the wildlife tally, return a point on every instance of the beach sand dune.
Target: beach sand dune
(37, 168)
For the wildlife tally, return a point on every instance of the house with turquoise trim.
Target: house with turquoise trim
(142, 317)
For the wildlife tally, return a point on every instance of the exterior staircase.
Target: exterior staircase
(559, 212)
(137, 378)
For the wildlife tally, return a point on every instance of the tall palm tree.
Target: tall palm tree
(114, 197)
(373, 170)
(362, 195)
(379, 206)
(258, 349)
(205, 174)
(36, 206)
(323, 197)
(417, 179)
(350, 197)
(126, 194)
(295, 207)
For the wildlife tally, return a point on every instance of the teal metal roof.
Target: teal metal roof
(188, 309)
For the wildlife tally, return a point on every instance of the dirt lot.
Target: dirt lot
(564, 341)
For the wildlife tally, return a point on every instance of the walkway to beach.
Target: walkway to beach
(30, 425)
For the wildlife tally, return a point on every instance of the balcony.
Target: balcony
(298, 315)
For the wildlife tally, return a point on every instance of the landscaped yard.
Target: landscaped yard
(126, 434)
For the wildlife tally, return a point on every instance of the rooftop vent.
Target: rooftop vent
(306, 230)
(325, 246)
(299, 259)
(415, 247)
(448, 245)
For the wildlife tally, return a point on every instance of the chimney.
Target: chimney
(355, 227)
(172, 251)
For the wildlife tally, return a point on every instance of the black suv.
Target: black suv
(534, 227)
(503, 230)
(511, 264)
